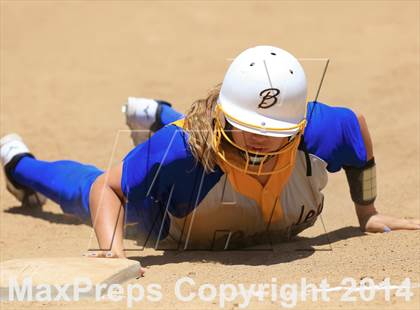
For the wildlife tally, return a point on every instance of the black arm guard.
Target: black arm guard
(362, 183)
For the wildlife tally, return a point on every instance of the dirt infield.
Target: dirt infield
(67, 67)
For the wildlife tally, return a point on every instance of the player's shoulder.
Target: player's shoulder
(166, 154)
(333, 134)
(321, 111)
(167, 144)
(163, 164)
(329, 120)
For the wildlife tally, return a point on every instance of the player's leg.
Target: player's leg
(65, 182)
(145, 116)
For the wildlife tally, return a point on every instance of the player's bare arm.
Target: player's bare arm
(370, 219)
(107, 212)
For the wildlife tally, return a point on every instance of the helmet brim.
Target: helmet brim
(259, 124)
(264, 132)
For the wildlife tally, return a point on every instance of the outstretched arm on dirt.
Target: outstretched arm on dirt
(369, 218)
(106, 202)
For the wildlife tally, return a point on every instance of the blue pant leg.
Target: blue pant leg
(65, 182)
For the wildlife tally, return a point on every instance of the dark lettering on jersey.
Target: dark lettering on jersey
(269, 97)
(310, 215)
(302, 208)
(321, 206)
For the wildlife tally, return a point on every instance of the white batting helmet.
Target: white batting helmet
(264, 92)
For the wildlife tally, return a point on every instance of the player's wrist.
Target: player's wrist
(364, 213)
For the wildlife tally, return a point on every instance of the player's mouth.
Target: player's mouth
(257, 150)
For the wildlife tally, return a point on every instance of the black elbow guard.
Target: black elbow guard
(362, 183)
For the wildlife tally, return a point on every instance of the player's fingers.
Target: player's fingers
(94, 254)
(142, 271)
(414, 221)
(401, 225)
(109, 254)
(103, 254)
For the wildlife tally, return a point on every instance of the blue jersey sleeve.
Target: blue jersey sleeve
(141, 167)
(162, 174)
(333, 134)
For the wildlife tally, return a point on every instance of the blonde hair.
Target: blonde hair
(199, 123)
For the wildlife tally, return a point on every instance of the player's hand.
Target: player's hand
(109, 254)
(104, 254)
(385, 223)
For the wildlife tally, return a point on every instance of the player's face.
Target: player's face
(257, 143)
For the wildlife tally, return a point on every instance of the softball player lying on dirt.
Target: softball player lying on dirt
(250, 159)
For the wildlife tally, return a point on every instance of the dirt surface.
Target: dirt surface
(67, 67)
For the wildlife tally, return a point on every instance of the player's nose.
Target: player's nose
(257, 140)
